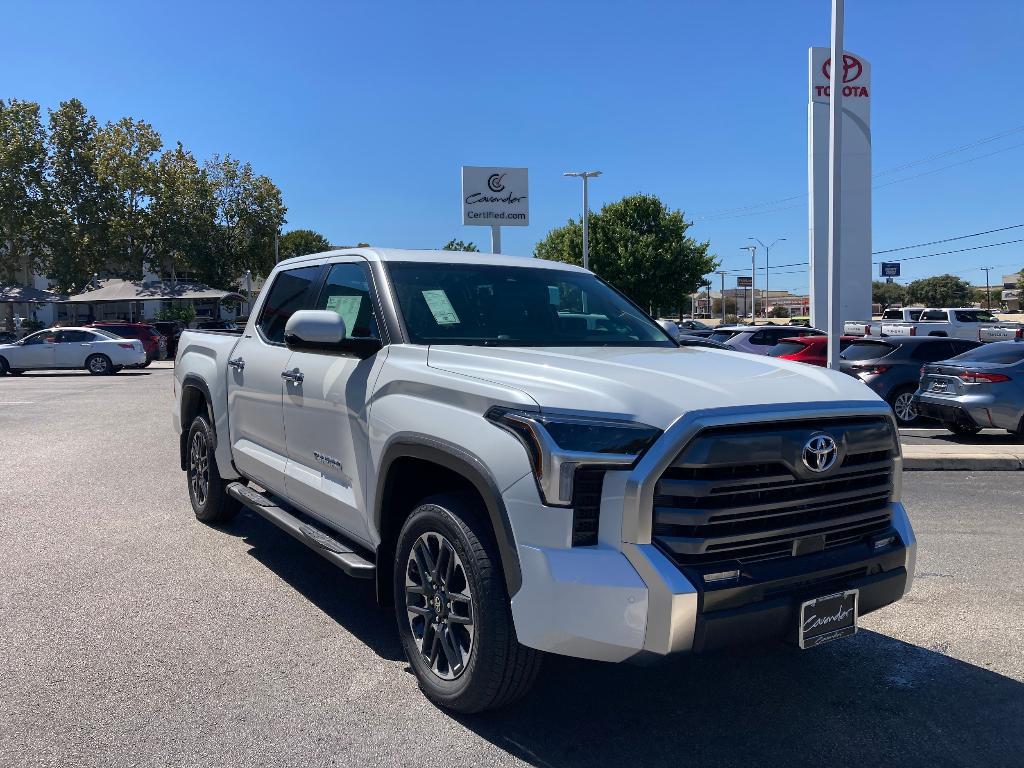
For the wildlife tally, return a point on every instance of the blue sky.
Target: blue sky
(363, 113)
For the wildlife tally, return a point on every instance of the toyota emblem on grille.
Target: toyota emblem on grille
(820, 453)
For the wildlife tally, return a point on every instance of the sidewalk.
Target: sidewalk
(927, 449)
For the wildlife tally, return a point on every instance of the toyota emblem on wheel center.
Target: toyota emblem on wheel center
(820, 453)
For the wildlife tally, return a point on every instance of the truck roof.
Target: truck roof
(436, 257)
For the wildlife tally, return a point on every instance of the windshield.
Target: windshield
(866, 350)
(516, 306)
(1003, 353)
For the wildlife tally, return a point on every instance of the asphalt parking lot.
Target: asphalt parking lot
(132, 635)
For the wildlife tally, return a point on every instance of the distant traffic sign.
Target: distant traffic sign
(890, 269)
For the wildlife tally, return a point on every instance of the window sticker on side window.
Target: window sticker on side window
(440, 307)
(347, 308)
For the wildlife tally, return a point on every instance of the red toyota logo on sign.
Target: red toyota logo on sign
(852, 68)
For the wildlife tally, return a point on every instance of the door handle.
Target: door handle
(295, 376)
(237, 363)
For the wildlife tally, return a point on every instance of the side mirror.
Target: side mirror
(670, 328)
(321, 330)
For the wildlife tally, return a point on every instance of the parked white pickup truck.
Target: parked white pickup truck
(522, 476)
(874, 327)
(954, 322)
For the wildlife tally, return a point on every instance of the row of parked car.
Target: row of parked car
(100, 347)
(963, 383)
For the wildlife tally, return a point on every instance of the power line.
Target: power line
(750, 210)
(946, 240)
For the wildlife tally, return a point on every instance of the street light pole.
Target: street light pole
(585, 175)
(723, 274)
(988, 290)
(766, 249)
(753, 281)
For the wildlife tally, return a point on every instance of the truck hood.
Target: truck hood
(649, 384)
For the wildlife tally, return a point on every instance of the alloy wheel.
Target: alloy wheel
(98, 365)
(199, 468)
(905, 408)
(439, 605)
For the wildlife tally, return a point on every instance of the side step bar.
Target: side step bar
(303, 529)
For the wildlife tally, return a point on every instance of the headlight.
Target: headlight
(558, 444)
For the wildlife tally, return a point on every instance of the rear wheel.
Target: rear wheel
(210, 502)
(145, 364)
(902, 402)
(4, 367)
(99, 365)
(453, 611)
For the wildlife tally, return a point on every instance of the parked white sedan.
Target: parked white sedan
(96, 351)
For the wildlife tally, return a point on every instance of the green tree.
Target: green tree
(887, 294)
(940, 291)
(76, 232)
(459, 245)
(249, 212)
(182, 213)
(730, 306)
(128, 171)
(778, 311)
(301, 242)
(638, 245)
(22, 186)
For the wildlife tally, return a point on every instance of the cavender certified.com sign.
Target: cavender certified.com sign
(495, 197)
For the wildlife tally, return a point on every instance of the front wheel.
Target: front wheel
(454, 617)
(904, 407)
(210, 502)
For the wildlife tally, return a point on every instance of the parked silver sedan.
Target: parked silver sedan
(979, 389)
(94, 350)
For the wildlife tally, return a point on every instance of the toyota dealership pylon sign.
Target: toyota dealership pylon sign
(854, 260)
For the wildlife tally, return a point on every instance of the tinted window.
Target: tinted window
(347, 292)
(75, 337)
(39, 338)
(976, 316)
(722, 336)
(866, 350)
(516, 306)
(935, 314)
(124, 332)
(932, 351)
(287, 296)
(1003, 353)
(786, 348)
(892, 314)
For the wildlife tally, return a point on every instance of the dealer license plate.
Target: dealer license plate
(939, 386)
(828, 618)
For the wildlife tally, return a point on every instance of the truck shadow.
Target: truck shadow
(867, 701)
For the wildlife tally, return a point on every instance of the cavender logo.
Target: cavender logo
(494, 182)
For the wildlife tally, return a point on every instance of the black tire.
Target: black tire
(99, 365)
(145, 364)
(210, 502)
(961, 429)
(4, 367)
(495, 669)
(899, 405)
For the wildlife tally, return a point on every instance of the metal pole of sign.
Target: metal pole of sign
(586, 176)
(495, 238)
(723, 274)
(753, 281)
(835, 133)
(988, 290)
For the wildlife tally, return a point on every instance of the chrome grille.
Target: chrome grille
(742, 494)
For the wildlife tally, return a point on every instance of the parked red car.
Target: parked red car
(154, 344)
(808, 349)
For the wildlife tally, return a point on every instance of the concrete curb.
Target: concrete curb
(962, 462)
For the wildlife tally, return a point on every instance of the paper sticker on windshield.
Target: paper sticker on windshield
(440, 307)
(347, 308)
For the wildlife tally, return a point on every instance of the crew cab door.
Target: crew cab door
(325, 411)
(255, 385)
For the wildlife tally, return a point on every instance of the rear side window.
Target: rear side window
(72, 337)
(786, 348)
(935, 314)
(287, 296)
(866, 350)
(932, 351)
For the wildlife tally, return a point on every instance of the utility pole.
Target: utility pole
(766, 248)
(723, 274)
(585, 175)
(276, 254)
(988, 290)
(753, 281)
(835, 134)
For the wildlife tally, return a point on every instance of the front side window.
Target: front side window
(492, 305)
(43, 337)
(347, 292)
(287, 296)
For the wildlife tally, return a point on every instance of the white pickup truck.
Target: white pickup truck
(521, 476)
(874, 327)
(952, 322)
